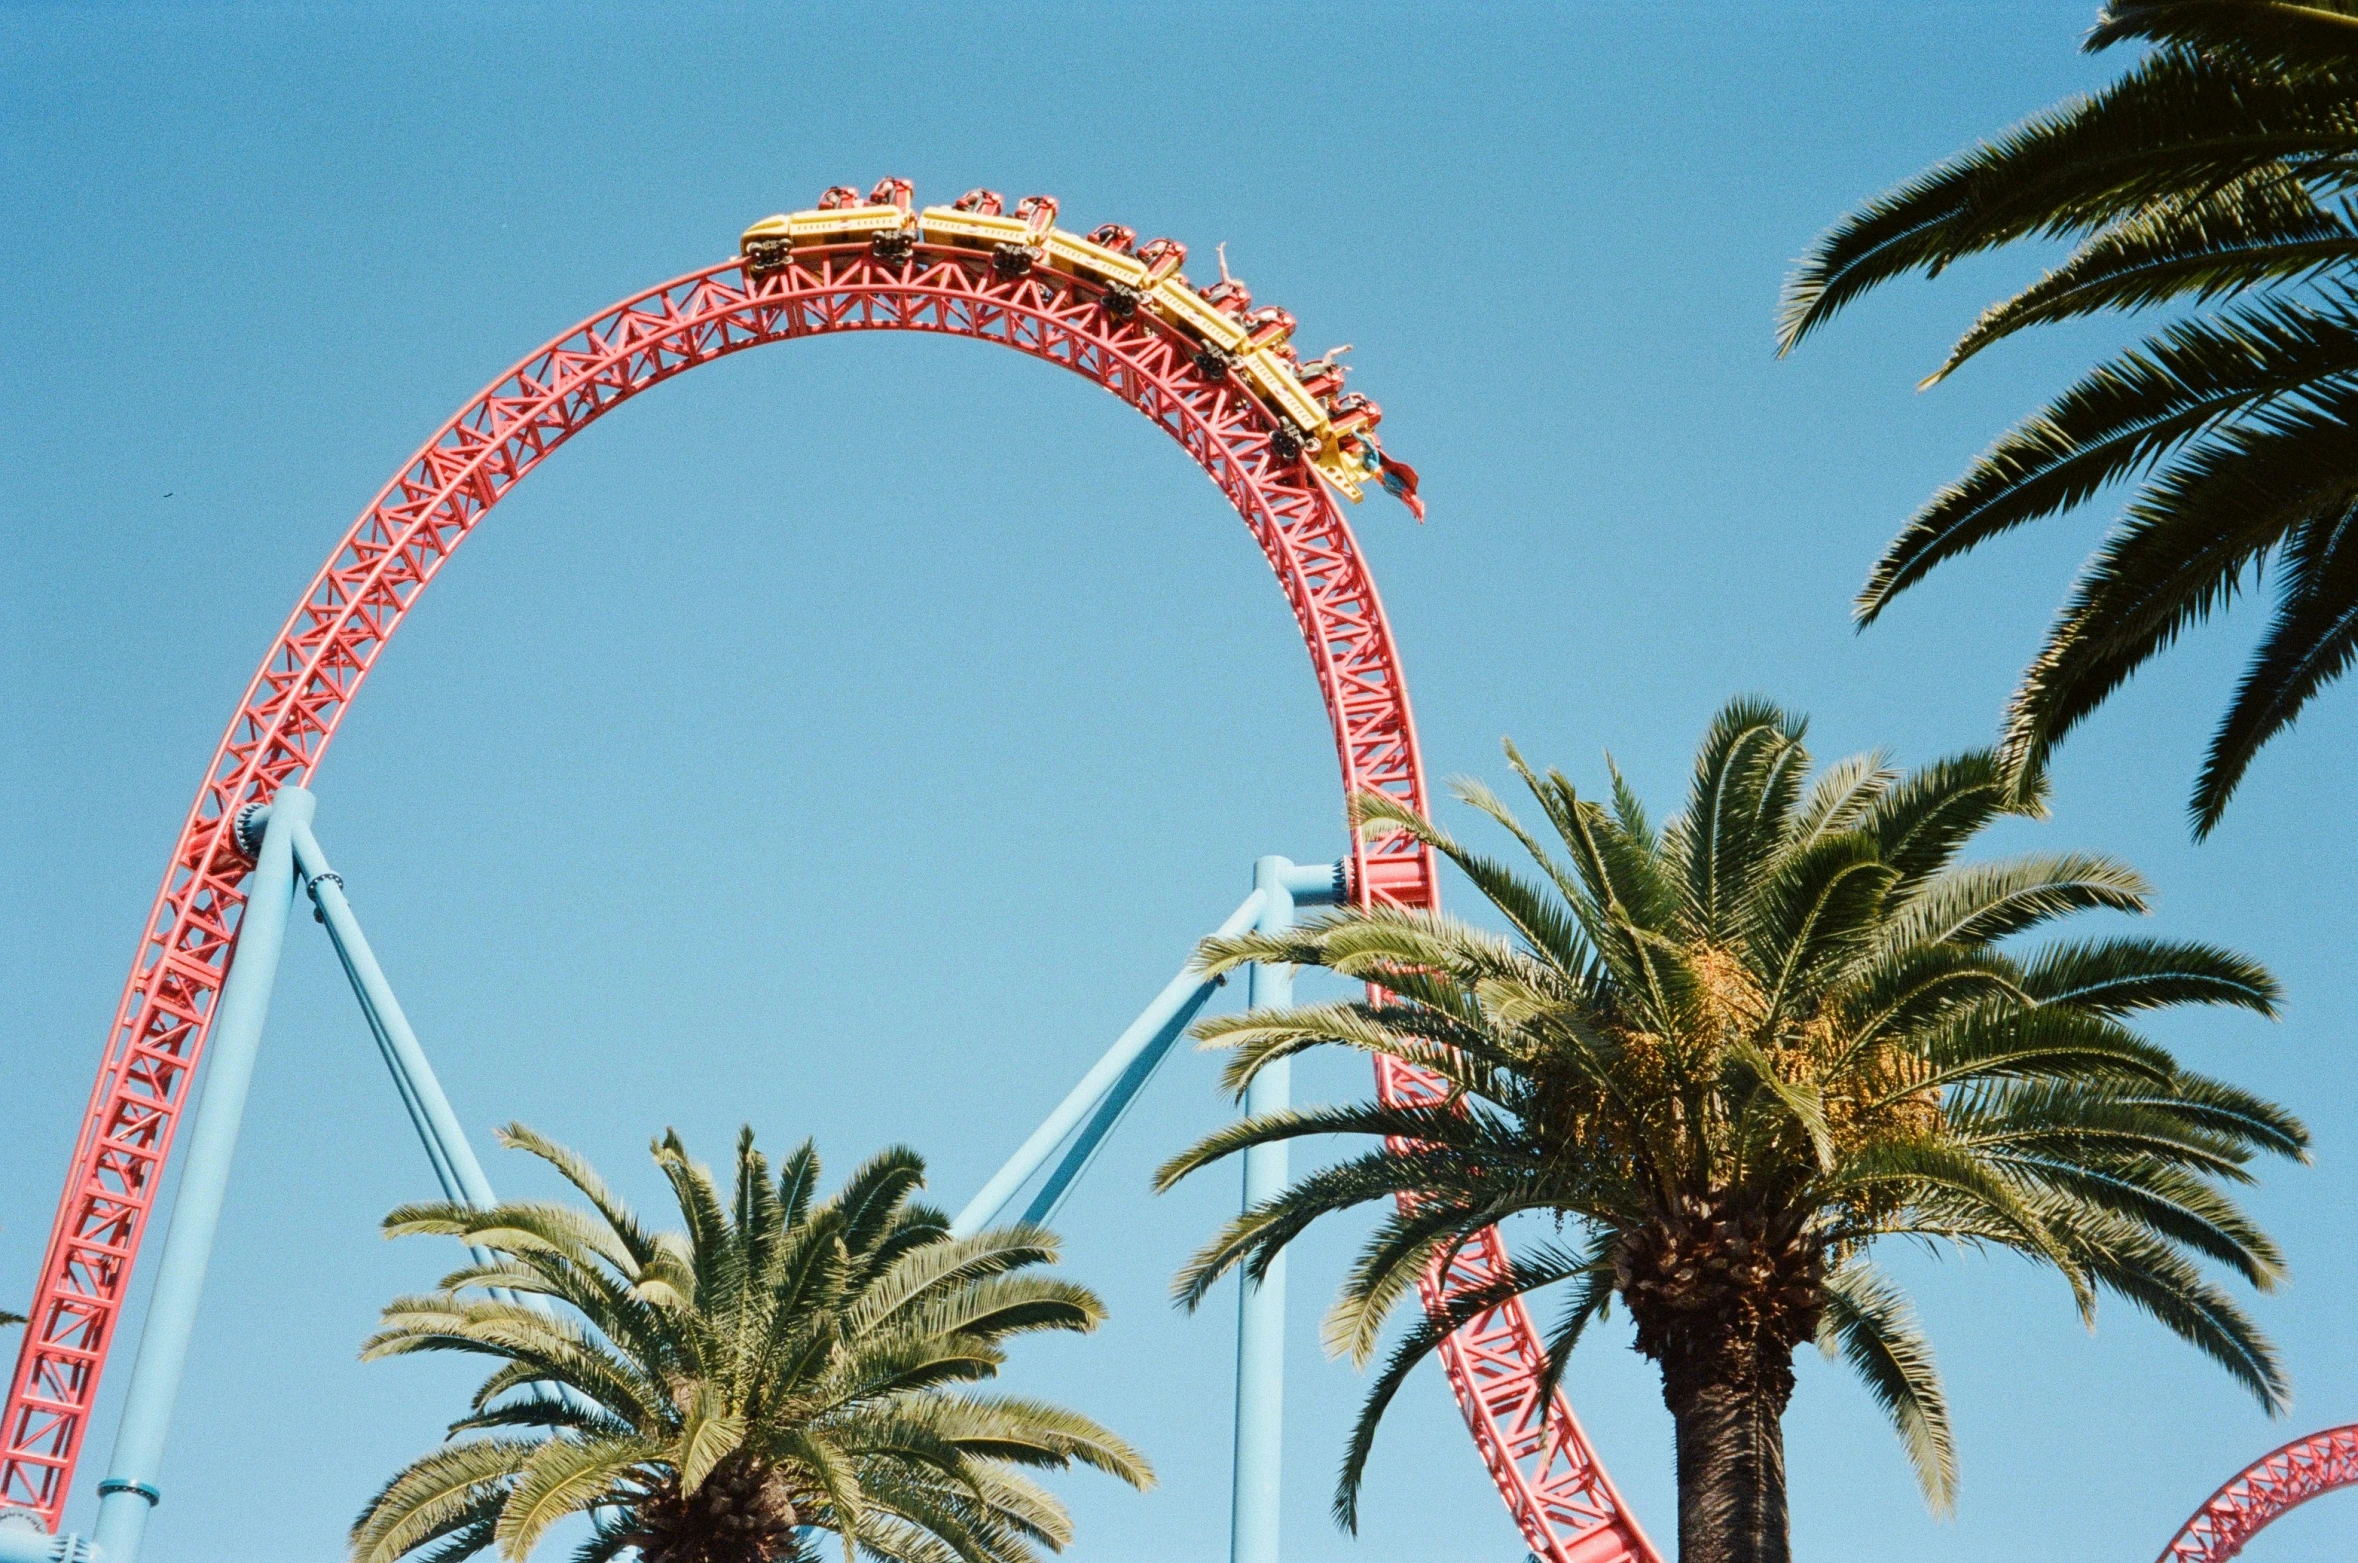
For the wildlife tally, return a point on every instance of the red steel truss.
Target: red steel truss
(1562, 1501)
(2284, 1480)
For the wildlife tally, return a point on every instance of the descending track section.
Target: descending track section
(2269, 1487)
(1219, 377)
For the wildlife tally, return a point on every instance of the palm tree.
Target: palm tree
(1729, 1057)
(2218, 172)
(785, 1364)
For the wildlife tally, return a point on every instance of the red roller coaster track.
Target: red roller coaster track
(1561, 1499)
(2270, 1486)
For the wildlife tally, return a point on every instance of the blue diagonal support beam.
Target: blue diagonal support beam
(1110, 1112)
(1184, 993)
(455, 1165)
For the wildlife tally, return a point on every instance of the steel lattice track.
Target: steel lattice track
(2267, 1488)
(1561, 1499)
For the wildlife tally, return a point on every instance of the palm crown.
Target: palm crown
(2217, 172)
(1734, 1054)
(712, 1395)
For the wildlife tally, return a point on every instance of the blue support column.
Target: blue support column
(129, 1490)
(1260, 1319)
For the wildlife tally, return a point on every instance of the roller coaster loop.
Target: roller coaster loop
(1279, 445)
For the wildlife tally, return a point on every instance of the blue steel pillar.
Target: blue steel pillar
(129, 1490)
(1260, 1318)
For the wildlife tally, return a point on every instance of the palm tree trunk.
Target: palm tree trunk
(1731, 1467)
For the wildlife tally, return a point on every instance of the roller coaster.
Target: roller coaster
(1283, 441)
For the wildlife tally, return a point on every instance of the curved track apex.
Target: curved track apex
(1563, 1503)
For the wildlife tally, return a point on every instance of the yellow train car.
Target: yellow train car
(1070, 253)
(1273, 381)
(1187, 309)
(974, 230)
(842, 225)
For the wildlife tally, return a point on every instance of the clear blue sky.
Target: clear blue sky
(851, 736)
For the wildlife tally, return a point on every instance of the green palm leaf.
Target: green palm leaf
(564, 1476)
(1869, 1324)
(2263, 228)
(2118, 976)
(2181, 120)
(1980, 903)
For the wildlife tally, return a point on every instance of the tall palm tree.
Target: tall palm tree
(2218, 172)
(786, 1364)
(1727, 1059)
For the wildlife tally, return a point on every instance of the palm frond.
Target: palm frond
(2208, 384)
(2160, 1282)
(2219, 174)
(1817, 909)
(2268, 34)
(624, 1225)
(562, 1477)
(2179, 120)
(1730, 827)
(2229, 1110)
(1926, 819)
(2264, 227)
(1981, 903)
(1869, 1323)
(451, 1489)
(2120, 976)
(1419, 1343)
(2310, 641)
(2182, 553)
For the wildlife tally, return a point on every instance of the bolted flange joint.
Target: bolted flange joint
(319, 912)
(248, 829)
(25, 1538)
